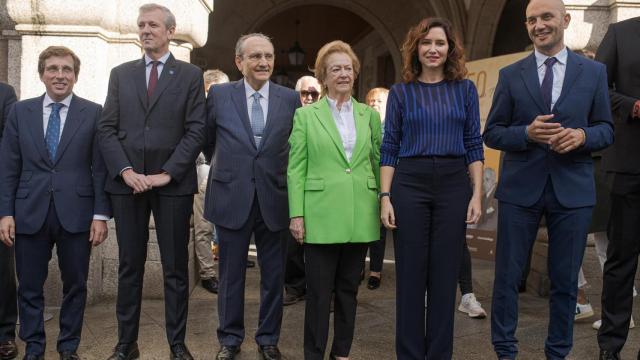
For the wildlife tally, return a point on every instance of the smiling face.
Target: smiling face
(256, 61)
(546, 22)
(58, 77)
(433, 49)
(340, 75)
(153, 33)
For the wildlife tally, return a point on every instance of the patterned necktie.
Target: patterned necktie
(547, 82)
(52, 137)
(153, 79)
(257, 118)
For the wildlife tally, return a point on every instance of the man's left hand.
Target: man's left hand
(567, 140)
(98, 232)
(159, 180)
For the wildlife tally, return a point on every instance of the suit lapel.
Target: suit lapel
(71, 125)
(573, 70)
(274, 108)
(37, 129)
(324, 115)
(140, 79)
(363, 133)
(239, 98)
(529, 73)
(169, 72)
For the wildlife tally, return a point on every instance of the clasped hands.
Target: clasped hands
(141, 183)
(560, 139)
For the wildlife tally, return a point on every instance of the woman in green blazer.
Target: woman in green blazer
(333, 180)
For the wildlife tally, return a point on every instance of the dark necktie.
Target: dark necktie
(52, 137)
(547, 83)
(153, 79)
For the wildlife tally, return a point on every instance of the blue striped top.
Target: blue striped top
(439, 119)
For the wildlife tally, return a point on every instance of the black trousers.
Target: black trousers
(376, 251)
(33, 253)
(620, 269)
(171, 215)
(331, 268)
(232, 266)
(295, 281)
(430, 200)
(465, 278)
(8, 301)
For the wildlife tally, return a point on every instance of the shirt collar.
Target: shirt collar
(163, 59)
(48, 101)
(346, 107)
(560, 56)
(264, 90)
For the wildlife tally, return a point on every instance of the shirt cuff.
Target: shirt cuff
(101, 217)
(125, 169)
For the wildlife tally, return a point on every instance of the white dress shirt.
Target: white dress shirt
(264, 98)
(559, 69)
(147, 60)
(46, 112)
(345, 123)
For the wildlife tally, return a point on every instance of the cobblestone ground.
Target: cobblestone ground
(375, 325)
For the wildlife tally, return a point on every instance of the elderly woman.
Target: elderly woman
(377, 99)
(333, 179)
(431, 149)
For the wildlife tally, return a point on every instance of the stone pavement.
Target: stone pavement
(375, 326)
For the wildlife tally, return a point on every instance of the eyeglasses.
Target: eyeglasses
(314, 94)
(255, 57)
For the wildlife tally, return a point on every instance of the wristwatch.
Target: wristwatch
(383, 194)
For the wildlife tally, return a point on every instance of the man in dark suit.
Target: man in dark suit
(8, 307)
(249, 122)
(620, 53)
(151, 132)
(549, 112)
(52, 180)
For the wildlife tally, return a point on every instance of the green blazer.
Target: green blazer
(337, 198)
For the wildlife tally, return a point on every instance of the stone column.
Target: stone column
(103, 34)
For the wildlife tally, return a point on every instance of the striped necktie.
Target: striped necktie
(257, 118)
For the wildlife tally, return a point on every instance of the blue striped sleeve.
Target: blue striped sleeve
(392, 129)
(472, 138)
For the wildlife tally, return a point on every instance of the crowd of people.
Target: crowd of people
(316, 179)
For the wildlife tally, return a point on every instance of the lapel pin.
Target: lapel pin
(170, 72)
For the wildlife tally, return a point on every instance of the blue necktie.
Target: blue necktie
(257, 118)
(547, 83)
(52, 137)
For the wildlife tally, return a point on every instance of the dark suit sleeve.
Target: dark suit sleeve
(101, 205)
(114, 156)
(499, 134)
(621, 104)
(10, 165)
(210, 139)
(599, 133)
(8, 97)
(184, 156)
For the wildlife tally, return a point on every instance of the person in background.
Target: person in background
(295, 283)
(377, 99)
(333, 178)
(431, 184)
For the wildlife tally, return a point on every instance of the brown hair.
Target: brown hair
(454, 68)
(60, 51)
(337, 46)
(375, 91)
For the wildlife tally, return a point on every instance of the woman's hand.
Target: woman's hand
(387, 215)
(474, 211)
(296, 226)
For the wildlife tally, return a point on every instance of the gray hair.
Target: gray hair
(214, 76)
(306, 77)
(243, 38)
(169, 18)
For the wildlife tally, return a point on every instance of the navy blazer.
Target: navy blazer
(526, 166)
(239, 170)
(74, 180)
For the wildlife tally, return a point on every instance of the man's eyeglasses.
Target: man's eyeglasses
(255, 57)
(314, 94)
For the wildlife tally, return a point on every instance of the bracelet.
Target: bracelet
(383, 194)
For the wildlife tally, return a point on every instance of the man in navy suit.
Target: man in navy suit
(249, 122)
(549, 112)
(52, 180)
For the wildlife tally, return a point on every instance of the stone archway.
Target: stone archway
(484, 16)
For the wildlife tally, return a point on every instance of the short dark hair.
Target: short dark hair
(60, 51)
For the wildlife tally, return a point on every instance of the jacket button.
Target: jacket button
(348, 171)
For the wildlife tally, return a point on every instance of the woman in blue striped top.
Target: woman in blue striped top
(431, 149)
